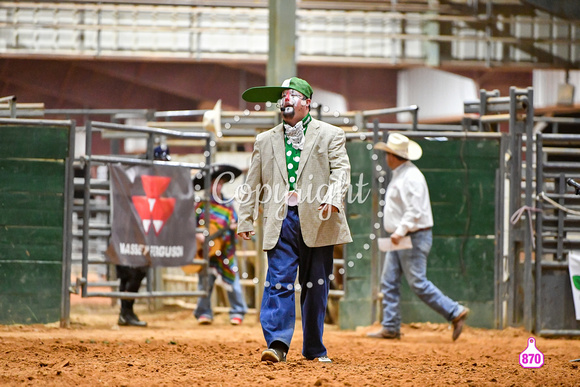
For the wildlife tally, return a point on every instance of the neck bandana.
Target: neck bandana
(295, 134)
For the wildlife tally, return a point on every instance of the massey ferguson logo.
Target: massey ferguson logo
(152, 208)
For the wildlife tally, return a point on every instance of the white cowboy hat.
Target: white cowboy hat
(401, 146)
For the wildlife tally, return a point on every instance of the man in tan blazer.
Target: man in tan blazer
(299, 172)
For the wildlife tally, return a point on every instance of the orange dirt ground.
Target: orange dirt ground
(175, 350)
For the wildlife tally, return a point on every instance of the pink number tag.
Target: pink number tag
(531, 357)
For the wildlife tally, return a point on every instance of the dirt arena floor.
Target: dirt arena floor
(175, 350)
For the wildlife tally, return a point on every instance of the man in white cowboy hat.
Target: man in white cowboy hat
(303, 170)
(407, 212)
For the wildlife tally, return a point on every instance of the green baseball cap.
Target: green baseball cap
(273, 93)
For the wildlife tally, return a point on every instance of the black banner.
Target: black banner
(153, 216)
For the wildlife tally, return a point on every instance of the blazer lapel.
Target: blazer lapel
(311, 138)
(279, 150)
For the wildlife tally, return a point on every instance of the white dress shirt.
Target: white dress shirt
(407, 204)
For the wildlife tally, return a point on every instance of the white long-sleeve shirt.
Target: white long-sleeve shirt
(407, 203)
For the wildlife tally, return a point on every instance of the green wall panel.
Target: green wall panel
(358, 288)
(21, 235)
(34, 142)
(359, 225)
(461, 179)
(32, 176)
(459, 154)
(51, 217)
(31, 243)
(38, 308)
(30, 200)
(451, 186)
(30, 291)
(32, 211)
(351, 311)
(462, 202)
(31, 252)
(359, 156)
(30, 278)
(451, 252)
(359, 198)
(355, 307)
(358, 259)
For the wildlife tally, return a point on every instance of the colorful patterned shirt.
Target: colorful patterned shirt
(222, 215)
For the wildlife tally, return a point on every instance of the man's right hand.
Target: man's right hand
(247, 235)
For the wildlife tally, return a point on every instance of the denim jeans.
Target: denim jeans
(413, 264)
(238, 307)
(278, 311)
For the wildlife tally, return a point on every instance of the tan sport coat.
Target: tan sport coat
(323, 176)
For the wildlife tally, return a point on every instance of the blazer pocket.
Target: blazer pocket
(321, 149)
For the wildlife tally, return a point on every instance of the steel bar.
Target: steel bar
(562, 265)
(180, 113)
(515, 178)
(133, 161)
(558, 332)
(561, 120)
(146, 129)
(67, 230)
(97, 112)
(153, 294)
(529, 299)
(14, 121)
(561, 137)
(494, 118)
(86, 201)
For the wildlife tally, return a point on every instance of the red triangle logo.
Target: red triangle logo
(154, 186)
(152, 208)
(161, 212)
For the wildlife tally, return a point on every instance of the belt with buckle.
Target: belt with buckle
(421, 229)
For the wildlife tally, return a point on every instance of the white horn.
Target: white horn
(212, 119)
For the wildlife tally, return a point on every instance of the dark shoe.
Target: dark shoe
(131, 320)
(273, 355)
(458, 323)
(385, 334)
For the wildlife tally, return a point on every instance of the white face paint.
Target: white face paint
(288, 111)
(289, 102)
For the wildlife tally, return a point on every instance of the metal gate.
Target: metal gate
(532, 279)
(557, 227)
(514, 298)
(92, 229)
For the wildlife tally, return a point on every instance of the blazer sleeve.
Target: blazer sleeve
(339, 180)
(249, 190)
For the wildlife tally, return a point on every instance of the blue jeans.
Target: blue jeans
(314, 265)
(413, 264)
(238, 307)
